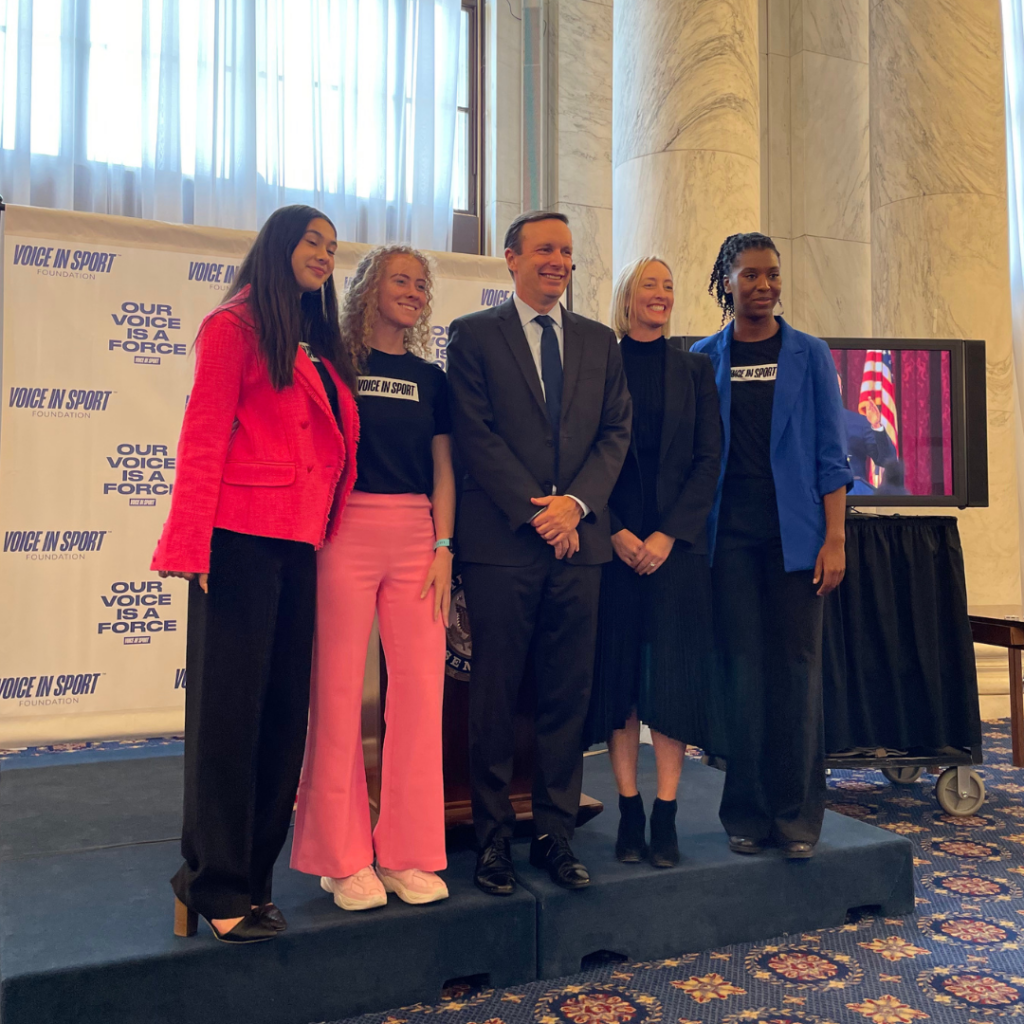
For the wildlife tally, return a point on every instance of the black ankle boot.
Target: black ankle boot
(664, 844)
(630, 846)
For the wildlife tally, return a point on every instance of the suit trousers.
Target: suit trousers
(376, 564)
(768, 624)
(547, 610)
(250, 643)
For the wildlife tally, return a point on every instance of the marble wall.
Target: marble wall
(580, 143)
(686, 151)
(939, 243)
(548, 107)
(814, 143)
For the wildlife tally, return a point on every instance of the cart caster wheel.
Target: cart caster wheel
(903, 776)
(960, 791)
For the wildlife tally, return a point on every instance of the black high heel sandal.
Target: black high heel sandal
(249, 929)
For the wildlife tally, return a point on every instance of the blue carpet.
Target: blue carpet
(959, 960)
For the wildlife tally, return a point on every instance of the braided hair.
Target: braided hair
(727, 254)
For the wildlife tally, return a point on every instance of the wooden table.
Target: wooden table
(1007, 631)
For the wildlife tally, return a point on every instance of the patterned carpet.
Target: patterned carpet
(959, 960)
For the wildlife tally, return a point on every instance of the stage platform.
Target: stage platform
(86, 912)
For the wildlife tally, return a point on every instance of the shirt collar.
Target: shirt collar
(528, 313)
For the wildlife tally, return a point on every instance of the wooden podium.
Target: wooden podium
(458, 661)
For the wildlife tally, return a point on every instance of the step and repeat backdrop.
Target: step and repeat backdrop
(99, 316)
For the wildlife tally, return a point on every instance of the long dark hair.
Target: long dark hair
(730, 249)
(283, 315)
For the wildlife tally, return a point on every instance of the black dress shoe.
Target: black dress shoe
(664, 842)
(494, 871)
(555, 854)
(269, 914)
(249, 929)
(630, 845)
(744, 844)
(797, 850)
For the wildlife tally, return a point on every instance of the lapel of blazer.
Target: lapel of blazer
(572, 357)
(512, 331)
(675, 390)
(789, 381)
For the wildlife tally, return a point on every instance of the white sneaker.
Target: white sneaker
(361, 891)
(413, 885)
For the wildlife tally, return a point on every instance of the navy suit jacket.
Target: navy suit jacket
(863, 442)
(808, 438)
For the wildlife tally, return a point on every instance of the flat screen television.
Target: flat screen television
(915, 417)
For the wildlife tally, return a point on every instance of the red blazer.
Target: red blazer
(252, 459)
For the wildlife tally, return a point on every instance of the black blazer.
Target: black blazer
(505, 442)
(691, 454)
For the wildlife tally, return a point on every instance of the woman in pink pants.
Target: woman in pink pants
(391, 556)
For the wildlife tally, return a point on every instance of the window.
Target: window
(466, 134)
(218, 111)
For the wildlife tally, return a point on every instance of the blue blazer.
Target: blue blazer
(808, 441)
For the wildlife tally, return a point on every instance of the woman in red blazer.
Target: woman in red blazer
(266, 460)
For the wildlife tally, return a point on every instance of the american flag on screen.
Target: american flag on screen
(876, 386)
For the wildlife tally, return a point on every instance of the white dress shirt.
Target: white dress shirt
(534, 332)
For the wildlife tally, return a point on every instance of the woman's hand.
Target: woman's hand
(628, 546)
(204, 577)
(657, 548)
(439, 576)
(830, 567)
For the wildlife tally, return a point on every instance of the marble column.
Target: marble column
(580, 170)
(829, 279)
(685, 139)
(939, 251)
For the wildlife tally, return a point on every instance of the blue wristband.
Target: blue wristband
(444, 542)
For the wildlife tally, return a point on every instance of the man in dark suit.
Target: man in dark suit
(866, 439)
(541, 421)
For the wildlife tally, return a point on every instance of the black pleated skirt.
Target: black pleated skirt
(655, 651)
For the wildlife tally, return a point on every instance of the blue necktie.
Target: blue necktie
(551, 371)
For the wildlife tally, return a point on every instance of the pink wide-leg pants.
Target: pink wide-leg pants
(377, 562)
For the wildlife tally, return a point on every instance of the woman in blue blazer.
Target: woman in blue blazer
(777, 536)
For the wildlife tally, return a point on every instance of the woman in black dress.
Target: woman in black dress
(654, 649)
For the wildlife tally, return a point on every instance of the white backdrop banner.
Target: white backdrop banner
(99, 315)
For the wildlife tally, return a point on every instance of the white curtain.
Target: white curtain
(1013, 57)
(218, 111)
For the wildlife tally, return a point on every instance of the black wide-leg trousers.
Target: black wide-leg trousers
(768, 626)
(549, 609)
(249, 648)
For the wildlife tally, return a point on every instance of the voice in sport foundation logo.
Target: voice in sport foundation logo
(59, 261)
(47, 690)
(59, 403)
(54, 545)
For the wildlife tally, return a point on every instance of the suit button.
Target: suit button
(304, 424)
(550, 443)
(309, 469)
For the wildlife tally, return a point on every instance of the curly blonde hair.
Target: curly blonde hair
(360, 311)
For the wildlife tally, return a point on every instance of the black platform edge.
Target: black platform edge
(713, 898)
(86, 938)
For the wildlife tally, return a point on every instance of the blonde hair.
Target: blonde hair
(360, 310)
(624, 292)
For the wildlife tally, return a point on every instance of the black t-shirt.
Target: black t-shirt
(327, 380)
(750, 511)
(403, 403)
